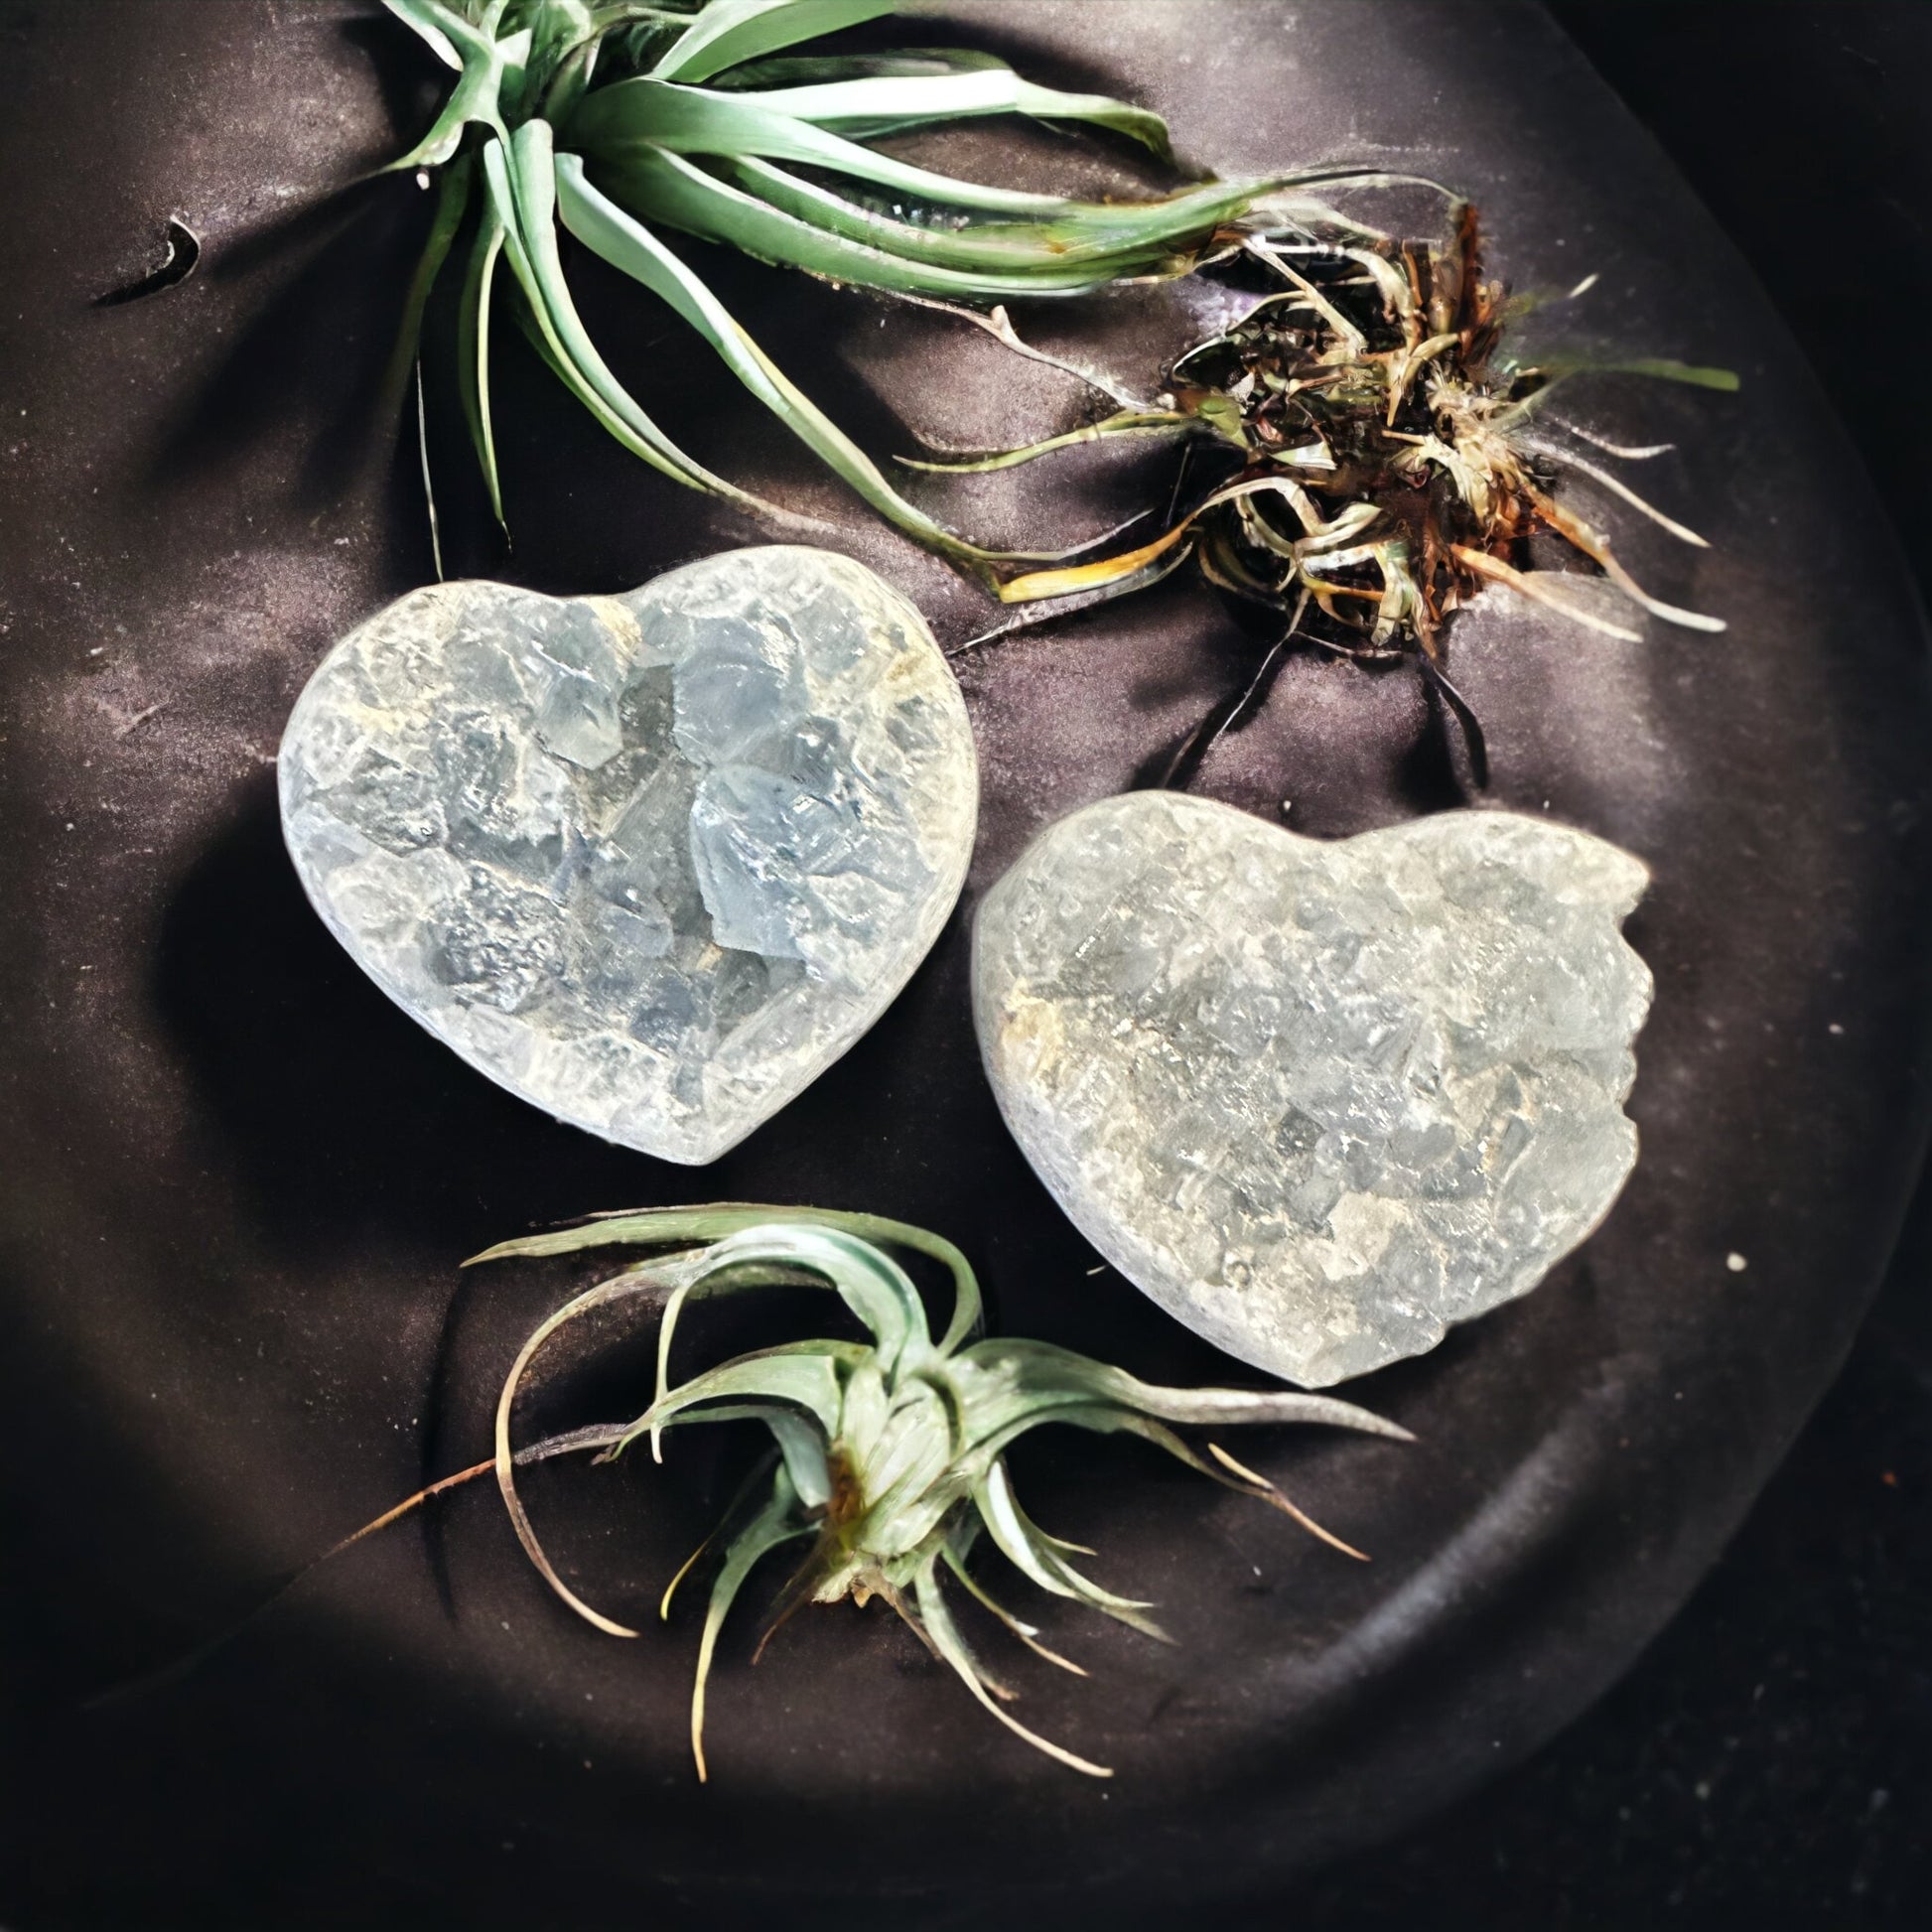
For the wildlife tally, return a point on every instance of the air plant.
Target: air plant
(618, 122)
(1374, 454)
(888, 1456)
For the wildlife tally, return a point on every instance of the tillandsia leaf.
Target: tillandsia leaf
(951, 1646)
(686, 1227)
(1043, 1559)
(888, 1449)
(1005, 1379)
(1535, 584)
(638, 1281)
(1126, 422)
(884, 1453)
(1056, 254)
(627, 244)
(756, 1482)
(954, 1554)
(1115, 586)
(1127, 564)
(809, 70)
(644, 115)
(1632, 451)
(623, 117)
(452, 204)
(1230, 1474)
(567, 39)
(473, 350)
(800, 1443)
(778, 1523)
(1618, 488)
(1596, 547)
(525, 194)
(1374, 462)
(879, 105)
(550, 319)
(728, 32)
(659, 185)
(429, 481)
(801, 1377)
(488, 69)
(1663, 368)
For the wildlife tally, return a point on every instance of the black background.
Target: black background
(1769, 1762)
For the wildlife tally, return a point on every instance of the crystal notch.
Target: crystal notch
(652, 862)
(1319, 1100)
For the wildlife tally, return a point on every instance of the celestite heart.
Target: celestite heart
(1319, 1100)
(652, 862)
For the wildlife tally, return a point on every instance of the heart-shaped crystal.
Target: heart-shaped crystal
(652, 862)
(1319, 1100)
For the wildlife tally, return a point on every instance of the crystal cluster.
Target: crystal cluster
(1319, 1100)
(652, 862)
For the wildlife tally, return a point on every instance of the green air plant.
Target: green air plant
(619, 121)
(1368, 454)
(888, 1456)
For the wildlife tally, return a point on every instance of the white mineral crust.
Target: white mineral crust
(1317, 1100)
(652, 862)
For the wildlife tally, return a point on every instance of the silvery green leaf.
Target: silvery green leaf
(629, 245)
(890, 1451)
(525, 195)
(472, 346)
(776, 1524)
(727, 31)
(637, 116)
(801, 1375)
(952, 1648)
(488, 69)
(656, 1227)
(886, 103)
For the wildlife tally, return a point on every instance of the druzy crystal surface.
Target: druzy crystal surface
(1319, 1100)
(653, 862)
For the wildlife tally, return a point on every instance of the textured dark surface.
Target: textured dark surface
(236, 1184)
(1768, 1762)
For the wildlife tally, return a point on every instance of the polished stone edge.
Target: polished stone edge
(690, 1149)
(1626, 879)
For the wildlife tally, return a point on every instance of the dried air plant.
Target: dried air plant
(1374, 456)
(887, 1455)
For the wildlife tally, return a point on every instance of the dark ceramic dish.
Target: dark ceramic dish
(238, 1180)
